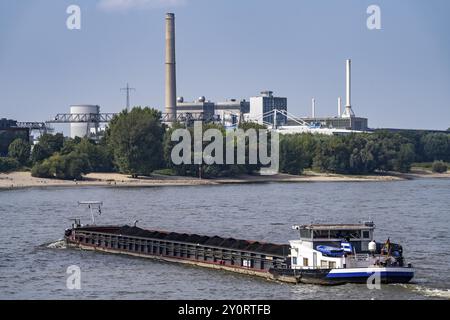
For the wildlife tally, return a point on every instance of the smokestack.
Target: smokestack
(339, 107)
(171, 81)
(348, 105)
(348, 83)
(313, 105)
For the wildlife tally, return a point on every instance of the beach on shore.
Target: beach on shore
(24, 179)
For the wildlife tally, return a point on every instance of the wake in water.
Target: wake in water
(60, 244)
(428, 292)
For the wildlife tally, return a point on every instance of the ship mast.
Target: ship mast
(91, 205)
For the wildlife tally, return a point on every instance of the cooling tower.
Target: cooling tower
(83, 129)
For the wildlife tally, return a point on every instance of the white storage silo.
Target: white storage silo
(83, 129)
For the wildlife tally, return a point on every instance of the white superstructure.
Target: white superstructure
(343, 253)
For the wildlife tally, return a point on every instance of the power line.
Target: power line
(128, 89)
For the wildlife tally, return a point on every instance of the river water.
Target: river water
(414, 213)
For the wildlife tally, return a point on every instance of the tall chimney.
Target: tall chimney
(171, 81)
(348, 84)
(313, 105)
(339, 107)
(348, 105)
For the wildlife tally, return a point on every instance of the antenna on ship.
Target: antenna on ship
(91, 205)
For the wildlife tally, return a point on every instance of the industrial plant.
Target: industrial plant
(266, 108)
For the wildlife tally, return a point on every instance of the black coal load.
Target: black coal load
(240, 245)
(228, 243)
(214, 241)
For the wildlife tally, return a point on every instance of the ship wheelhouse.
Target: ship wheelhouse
(326, 246)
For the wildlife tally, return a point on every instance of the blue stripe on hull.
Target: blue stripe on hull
(368, 274)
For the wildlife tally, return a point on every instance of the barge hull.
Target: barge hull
(245, 271)
(344, 276)
(232, 255)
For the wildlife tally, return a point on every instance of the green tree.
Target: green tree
(39, 153)
(75, 165)
(332, 155)
(48, 144)
(42, 170)
(439, 167)
(436, 146)
(68, 167)
(70, 145)
(212, 170)
(293, 156)
(168, 144)
(404, 158)
(20, 150)
(8, 164)
(8, 136)
(136, 140)
(99, 156)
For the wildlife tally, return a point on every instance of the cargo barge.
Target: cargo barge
(325, 254)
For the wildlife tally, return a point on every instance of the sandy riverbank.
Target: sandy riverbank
(25, 180)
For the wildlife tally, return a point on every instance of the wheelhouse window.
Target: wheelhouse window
(350, 234)
(335, 234)
(366, 234)
(321, 234)
(305, 234)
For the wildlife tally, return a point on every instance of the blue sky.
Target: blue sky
(229, 49)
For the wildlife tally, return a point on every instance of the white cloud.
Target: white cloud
(123, 5)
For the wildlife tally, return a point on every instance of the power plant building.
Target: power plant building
(352, 123)
(343, 121)
(262, 107)
(199, 106)
(232, 109)
(9, 131)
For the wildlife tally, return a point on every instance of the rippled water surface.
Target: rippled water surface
(413, 213)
